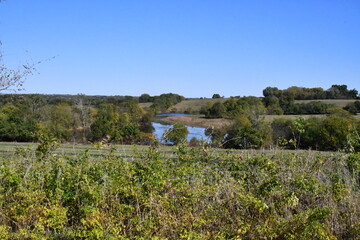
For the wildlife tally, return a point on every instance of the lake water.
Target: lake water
(197, 132)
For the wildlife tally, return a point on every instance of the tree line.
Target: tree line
(79, 119)
(120, 119)
(336, 131)
(280, 102)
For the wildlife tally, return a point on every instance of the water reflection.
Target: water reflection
(197, 132)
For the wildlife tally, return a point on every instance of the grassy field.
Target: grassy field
(200, 121)
(8, 149)
(194, 105)
(142, 192)
(145, 105)
(336, 102)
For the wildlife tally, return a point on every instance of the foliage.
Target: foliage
(165, 101)
(251, 106)
(339, 131)
(184, 193)
(15, 126)
(217, 110)
(301, 93)
(245, 134)
(176, 134)
(111, 124)
(283, 101)
(353, 108)
(216, 95)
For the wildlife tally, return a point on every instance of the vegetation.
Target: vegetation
(285, 99)
(176, 134)
(353, 108)
(24, 118)
(180, 194)
(162, 102)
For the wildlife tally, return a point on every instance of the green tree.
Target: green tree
(243, 134)
(217, 110)
(335, 131)
(58, 122)
(216, 95)
(15, 125)
(105, 124)
(176, 134)
(144, 98)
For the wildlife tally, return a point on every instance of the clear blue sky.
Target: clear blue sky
(191, 47)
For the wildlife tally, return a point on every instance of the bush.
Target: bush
(180, 193)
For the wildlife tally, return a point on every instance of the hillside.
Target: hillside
(336, 102)
(194, 105)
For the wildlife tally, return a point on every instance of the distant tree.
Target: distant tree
(353, 108)
(144, 98)
(217, 110)
(15, 125)
(242, 134)
(176, 134)
(57, 121)
(341, 92)
(146, 123)
(282, 131)
(216, 95)
(205, 108)
(83, 111)
(34, 105)
(273, 106)
(216, 135)
(134, 110)
(232, 107)
(165, 101)
(105, 125)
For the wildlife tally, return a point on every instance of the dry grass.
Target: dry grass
(271, 118)
(200, 121)
(145, 105)
(197, 121)
(194, 105)
(336, 102)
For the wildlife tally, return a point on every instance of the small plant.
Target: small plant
(47, 145)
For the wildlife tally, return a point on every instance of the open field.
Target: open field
(336, 102)
(200, 121)
(139, 192)
(194, 105)
(8, 149)
(271, 118)
(145, 105)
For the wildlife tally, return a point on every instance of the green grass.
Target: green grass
(124, 151)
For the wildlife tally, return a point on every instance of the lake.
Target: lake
(197, 132)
